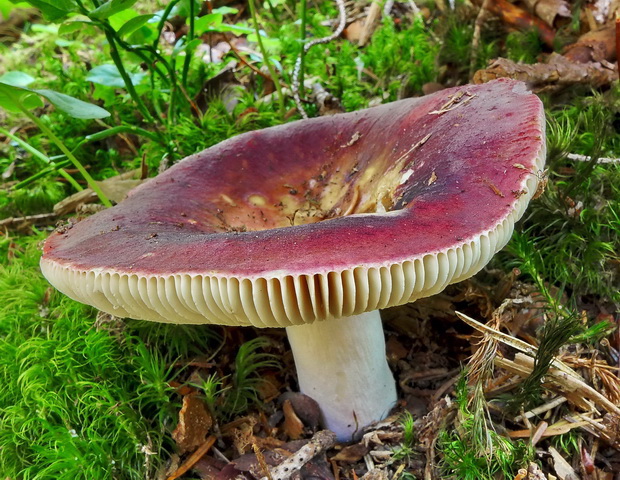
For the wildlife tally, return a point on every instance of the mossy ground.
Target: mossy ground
(86, 398)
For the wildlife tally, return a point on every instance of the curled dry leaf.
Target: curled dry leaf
(115, 188)
(305, 407)
(595, 46)
(352, 453)
(293, 426)
(549, 10)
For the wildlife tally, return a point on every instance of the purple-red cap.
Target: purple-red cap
(315, 219)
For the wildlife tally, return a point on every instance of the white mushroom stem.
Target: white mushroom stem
(341, 363)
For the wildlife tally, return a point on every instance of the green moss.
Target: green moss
(523, 47)
(41, 196)
(77, 402)
(573, 229)
(461, 460)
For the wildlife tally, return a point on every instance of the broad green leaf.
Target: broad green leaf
(226, 10)
(238, 29)
(17, 79)
(74, 25)
(11, 97)
(209, 22)
(63, 43)
(44, 28)
(7, 6)
(109, 76)
(5, 9)
(111, 7)
(134, 24)
(121, 18)
(54, 10)
(74, 107)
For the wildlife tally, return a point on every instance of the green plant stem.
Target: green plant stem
(56, 167)
(162, 21)
(91, 182)
(273, 11)
(41, 156)
(109, 132)
(128, 84)
(190, 37)
(302, 53)
(270, 67)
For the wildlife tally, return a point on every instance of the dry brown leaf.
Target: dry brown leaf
(194, 425)
(520, 19)
(115, 188)
(593, 46)
(351, 453)
(549, 10)
(562, 467)
(305, 407)
(293, 426)
(395, 350)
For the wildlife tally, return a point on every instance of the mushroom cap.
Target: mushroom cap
(315, 219)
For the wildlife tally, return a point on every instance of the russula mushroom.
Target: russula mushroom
(316, 225)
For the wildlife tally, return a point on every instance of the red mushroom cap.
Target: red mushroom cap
(318, 218)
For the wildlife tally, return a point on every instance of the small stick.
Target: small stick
(342, 18)
(483, 14)
(245, 62)
(30, 219)
(193, 459)
(541, 409)
(320, 442)
(370, 24)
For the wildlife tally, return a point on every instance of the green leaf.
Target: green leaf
(54, 10)
(110, 8)
(134, 24)
(74, 107)
(17, 79)
(121, 18)
(109, 76)
(226, 10)
(11, 97)
(237, 29)
(7, 6)
(209, 22)
(74, 25)
(44, 28)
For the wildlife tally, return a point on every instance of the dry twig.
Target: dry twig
(320, 442)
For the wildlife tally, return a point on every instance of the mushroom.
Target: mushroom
(316, 225)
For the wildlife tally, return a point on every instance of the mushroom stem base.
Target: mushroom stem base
(341, 363)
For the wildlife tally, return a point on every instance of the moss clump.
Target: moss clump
(77, 401)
